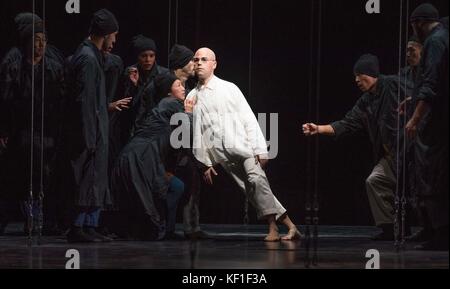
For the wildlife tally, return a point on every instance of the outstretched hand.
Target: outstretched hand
(310, 129)
(120, 105)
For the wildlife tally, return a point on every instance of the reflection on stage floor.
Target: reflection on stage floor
(233, 247)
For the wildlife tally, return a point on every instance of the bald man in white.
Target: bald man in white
(222, 113)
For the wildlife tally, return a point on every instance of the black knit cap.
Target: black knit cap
(140, 43)
(103, 23)
(163, 84)
(367, 64)
(179, 57)
(24, 27)
(23, 19)
(425, 12)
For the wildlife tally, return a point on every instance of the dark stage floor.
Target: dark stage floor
(235, 247)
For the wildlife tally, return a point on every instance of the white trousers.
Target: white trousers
(253, 181)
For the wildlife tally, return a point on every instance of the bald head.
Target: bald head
(206, 52)
(205, 64)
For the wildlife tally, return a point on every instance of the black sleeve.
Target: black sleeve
(353, 121)
(433, 54)
(87, 78)
(113, 76)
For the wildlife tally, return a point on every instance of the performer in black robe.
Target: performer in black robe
(16, 73)
(139, 176)
(113, 72)
(138, 84)
(117, 104)
(87, 127)
(181, 64)
(374, 114)
(22, 21)
(429, 123)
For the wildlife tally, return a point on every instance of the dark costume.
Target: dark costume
(88, 125)
(139, 176)
(113, 73)
(87, 122)
(88, 131)
(143, 95)
(187, 166)
(432, 140)
(375, 114)
(16, 73)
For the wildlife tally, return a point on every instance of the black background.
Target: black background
(267, 52)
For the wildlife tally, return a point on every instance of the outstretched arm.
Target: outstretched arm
(310, 129)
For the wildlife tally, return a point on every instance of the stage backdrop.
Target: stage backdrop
(294, 58)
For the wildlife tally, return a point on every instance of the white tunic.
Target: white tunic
(225, 127)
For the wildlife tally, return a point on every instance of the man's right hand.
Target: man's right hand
(208, 175)
(310, 129)
(3, 142)
(189, 105)
(133, 74)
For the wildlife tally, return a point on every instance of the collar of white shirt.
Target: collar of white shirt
(212, 84)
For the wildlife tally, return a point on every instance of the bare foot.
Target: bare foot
(273, 236)
(292, 235)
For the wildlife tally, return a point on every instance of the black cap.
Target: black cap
(367, 64)
(103, 23)
(179, 57)
(425, 12)
(141, 43)
(24, 27)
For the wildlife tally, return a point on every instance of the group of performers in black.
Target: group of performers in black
(83, 114)
(99, 135)
(415, 147)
